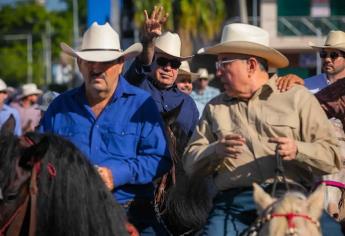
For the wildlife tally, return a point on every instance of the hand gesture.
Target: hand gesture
(153, 25)
(287, 147)
(286, 82)
(230, 145)
(106, 176)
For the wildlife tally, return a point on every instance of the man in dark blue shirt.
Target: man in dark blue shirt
(156, 69)
(116, 125)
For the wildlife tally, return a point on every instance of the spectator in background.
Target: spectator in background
(45, 100)
(26, 105)
(332, 54)
(185, 80)
(6, 111)
(202, 92)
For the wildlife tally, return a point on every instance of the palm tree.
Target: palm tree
(191, 19)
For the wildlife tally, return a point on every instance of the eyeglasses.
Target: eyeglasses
(162, 61)
(332, 55)
(220, 64)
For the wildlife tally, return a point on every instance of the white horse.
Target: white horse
(293, 214)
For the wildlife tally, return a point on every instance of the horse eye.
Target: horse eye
(10, 197)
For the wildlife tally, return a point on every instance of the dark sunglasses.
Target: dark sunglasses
(161, 61)
(332, 55)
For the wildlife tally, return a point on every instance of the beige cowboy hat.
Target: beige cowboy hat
(170, 44)
(3, 86)
(247, 39)
(29, 89)
(100, 44)
(185, 70)
(203, 73)
(335, 40)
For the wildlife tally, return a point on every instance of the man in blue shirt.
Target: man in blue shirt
(115, 124)
(6, 111)
(156, 71)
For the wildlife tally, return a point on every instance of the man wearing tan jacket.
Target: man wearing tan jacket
(243, 127)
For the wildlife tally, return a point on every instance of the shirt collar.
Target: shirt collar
(123, 88)
(265, 91)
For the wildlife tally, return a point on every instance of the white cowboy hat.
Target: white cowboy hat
(335, 40)
(100, 44)
(29, 89)
(170, 44)
(185, 70)
(3, 86)
(203, 73)
(247, 39)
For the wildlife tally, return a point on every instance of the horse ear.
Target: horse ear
(8, 126)
(315, 202)
(261, 198)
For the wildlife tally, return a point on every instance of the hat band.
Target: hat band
(101, 49)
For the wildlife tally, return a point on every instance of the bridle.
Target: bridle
(268, 215)
(336, 184)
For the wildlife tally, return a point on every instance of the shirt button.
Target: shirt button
(97, 126)
(122, 133)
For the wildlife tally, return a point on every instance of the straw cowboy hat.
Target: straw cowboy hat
(170, 43)
(29, 89)
(100, 44)
(334, 40)
(185, 70)
(3, 86)
(203, 73)
(247, 39)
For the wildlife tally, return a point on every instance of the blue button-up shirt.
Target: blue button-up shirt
(127, 137)
(166, 99)
(5, 113)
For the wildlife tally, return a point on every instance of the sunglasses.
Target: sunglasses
(161, 61)
(332, 55)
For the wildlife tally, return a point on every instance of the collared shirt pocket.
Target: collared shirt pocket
(75, 134)
(282, 126)
(122, 140)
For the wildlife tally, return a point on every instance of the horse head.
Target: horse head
(58, 181)
(293, 214)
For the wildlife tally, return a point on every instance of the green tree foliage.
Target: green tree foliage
(192, 19)
(29, 18)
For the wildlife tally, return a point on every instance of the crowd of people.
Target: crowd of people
(115, 119)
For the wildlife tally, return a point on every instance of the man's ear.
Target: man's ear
(252, 65)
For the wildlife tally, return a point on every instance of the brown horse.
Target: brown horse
(293, 214)
(47, 187)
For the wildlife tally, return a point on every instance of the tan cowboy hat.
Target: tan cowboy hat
(247, 39)
(203, 73)
(3, 86)
(100, 44)
(335, 40)
(185, 70)
(29, 89)
(170, 44)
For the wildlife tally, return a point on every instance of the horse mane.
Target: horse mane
(75, 200)
(8, 154)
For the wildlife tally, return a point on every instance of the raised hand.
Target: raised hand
(153, 25)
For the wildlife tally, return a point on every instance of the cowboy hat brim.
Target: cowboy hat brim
(193, 76)
(103, 55)
(159, 50)
(340, 46)
(274, 58)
